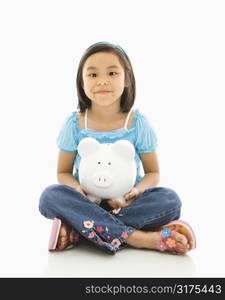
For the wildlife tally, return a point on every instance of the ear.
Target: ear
(124, 149)
(87, 146)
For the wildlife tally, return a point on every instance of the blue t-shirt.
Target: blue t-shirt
(141, 135)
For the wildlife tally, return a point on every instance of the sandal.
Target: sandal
(73, 238)
(170, 230)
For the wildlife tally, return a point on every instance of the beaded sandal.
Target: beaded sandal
(168, 233)
(73, 238)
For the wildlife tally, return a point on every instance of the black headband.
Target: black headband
(112, 45)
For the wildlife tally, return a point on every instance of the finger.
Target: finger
(127, 203)
(119, 204)
(131, 195)
(131, 198)
(130, 201)
(128, 196)
(124, 204)
(97, 201)
(134, 194)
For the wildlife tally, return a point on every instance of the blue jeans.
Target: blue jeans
(155, 207)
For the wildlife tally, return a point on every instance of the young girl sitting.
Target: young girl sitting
(150, 216)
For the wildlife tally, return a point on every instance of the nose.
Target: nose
(102, 180)
(102, 81)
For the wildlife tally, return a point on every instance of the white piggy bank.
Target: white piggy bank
(106, 171)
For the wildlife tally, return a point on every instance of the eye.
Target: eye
(109, 163)
(92, 74)
(112, 72)
(99, 162)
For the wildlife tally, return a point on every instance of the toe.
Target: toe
(181, 238)
(182, 244)
(62, 242)
(181, 248)
(63, 238)
(62, 232)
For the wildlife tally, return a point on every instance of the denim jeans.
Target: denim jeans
(99, 224)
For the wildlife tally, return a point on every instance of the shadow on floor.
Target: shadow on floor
(85, 260)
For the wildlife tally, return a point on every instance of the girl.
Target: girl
(149, 218)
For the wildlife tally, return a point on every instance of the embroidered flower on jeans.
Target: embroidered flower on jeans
(91, 235)
(108, 237)
(116, 243)
(99, 241)
(124, 235)
(166, 232)
(100, 229)
(88, 224)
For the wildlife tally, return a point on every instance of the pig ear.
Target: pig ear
(87, 146)
(124, 149)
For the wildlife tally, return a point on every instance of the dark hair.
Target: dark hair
(129, 92)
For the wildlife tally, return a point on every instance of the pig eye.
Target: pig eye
(99, 162)
(109, 163)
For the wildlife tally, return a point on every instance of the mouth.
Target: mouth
(103, 92)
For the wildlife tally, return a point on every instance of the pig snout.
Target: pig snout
(102, 179)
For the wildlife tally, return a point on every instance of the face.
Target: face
(104, 78)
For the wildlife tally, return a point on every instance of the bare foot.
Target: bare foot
(181, 243)
(152, 240)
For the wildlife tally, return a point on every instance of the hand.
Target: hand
(97, 201)
(114, 204)
(129, 197)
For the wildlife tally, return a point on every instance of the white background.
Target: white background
(177, 52)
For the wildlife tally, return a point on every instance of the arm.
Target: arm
(65, 170)
(151, 169)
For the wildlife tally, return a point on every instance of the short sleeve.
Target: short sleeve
(67, 137)
(146, 140)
